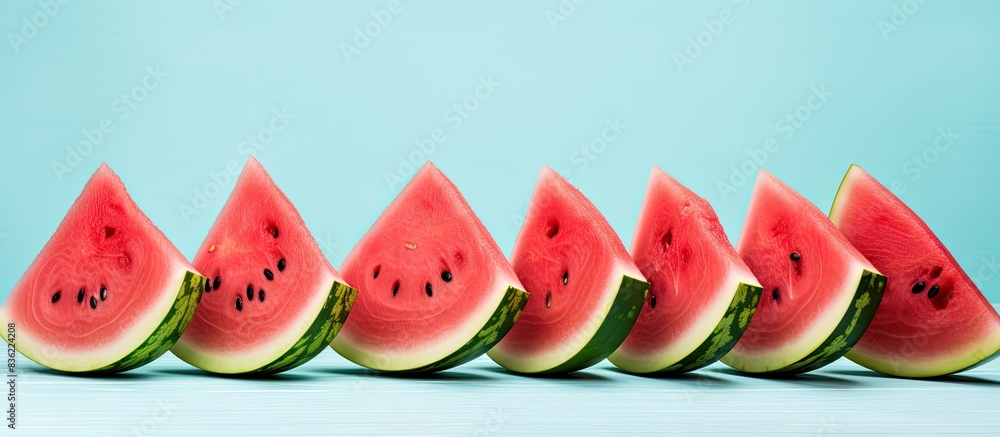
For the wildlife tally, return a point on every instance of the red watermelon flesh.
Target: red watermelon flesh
(695, 275)
(818, 289)
(269, 287)
(104, 284)
(433, 283)
(574, 265)
(933, 319)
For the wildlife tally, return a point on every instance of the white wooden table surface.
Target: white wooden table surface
(331, 396)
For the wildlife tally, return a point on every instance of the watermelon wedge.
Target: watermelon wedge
(701, 296)
(107, 293)
(820, 293)
(435, 290)
(587, 291)
(933, 320)
(273, 301)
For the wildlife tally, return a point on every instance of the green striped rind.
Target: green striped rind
(726, 334)
(498, 326)
(612, 332)
(850, 329)
(322, 331)
(168, 331)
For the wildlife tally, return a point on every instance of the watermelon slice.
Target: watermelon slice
(108, 292)
(820, 293)
(933, 320)
(436, 291)
(273, 301)
(587, 290)
(702, 296)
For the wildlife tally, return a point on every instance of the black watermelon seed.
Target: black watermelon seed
(208, 285)
(250, 294)
(275, 232)
(548, 299)
(268, 274)
(395, 288)
(652, 301)
(565, 278)
(377, 270)
(217, 282)
(239, 303)
(918, 287)
(446, 276)
(776, 295)
(55, 297)
(79, 296)
(104, 293)
(428, 289)
(260, 295)
(281, 265)
(933, 292)
(796, 256)
(93, 302)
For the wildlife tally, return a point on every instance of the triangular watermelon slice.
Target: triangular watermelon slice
(701, 296)
(933, 320)
(273, 301)
(435, 289)
(107, 293)
(820, 293)
(586, 290)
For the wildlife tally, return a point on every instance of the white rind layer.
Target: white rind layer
(920, 367)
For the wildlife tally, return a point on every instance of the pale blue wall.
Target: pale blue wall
(561, 76)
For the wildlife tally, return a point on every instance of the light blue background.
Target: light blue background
(228, 70)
